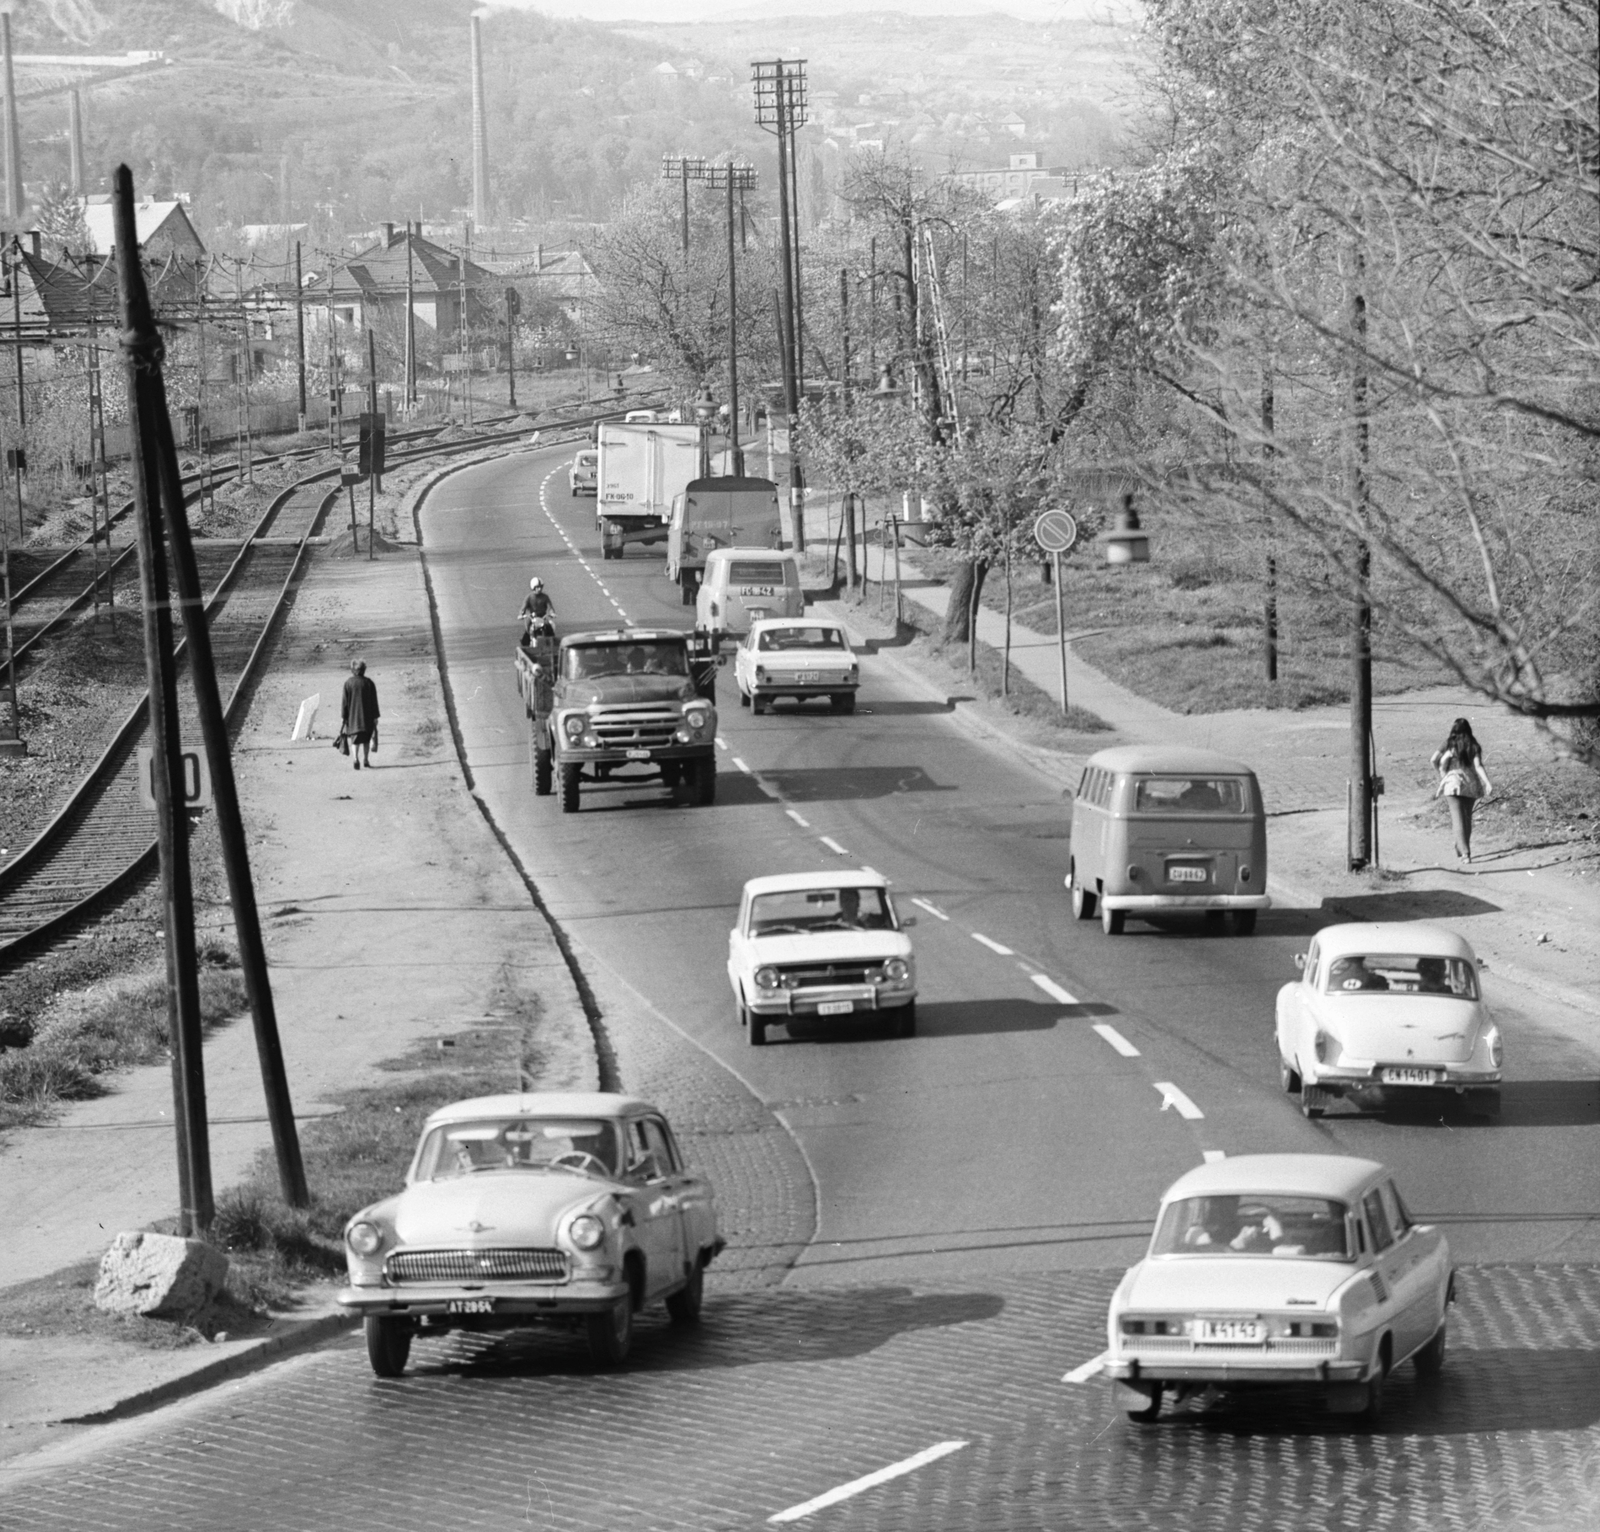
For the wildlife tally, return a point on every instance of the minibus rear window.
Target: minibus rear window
(756, 572)
(1190, 795)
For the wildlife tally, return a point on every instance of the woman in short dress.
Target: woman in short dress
(1462, 781)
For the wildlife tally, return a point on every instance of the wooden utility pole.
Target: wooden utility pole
(1362, 801)
(300, 330)
(372, 416)
(143, 351)
(411, 320)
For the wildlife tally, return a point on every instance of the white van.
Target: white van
(743, 585)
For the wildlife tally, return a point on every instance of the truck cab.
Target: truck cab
(629, 705)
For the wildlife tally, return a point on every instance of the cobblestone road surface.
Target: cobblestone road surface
(783, 1394)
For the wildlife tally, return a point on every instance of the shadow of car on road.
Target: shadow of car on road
(1409, 904)
(822, 784)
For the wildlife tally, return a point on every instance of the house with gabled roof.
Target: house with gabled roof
(370, 286)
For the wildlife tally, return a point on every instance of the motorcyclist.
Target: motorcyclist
(537, 610)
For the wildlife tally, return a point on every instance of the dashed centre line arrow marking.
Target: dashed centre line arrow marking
(868, 1481)
(991, 944)
(1054, 990)
(1116, 1039)
(1180, 1103)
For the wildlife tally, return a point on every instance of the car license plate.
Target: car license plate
(836, 1007)
(1181, 873)
(470, 1306)
(1409, 1077)
(638, 755)
(1235, 1332)
(808, 675)
(758, 590)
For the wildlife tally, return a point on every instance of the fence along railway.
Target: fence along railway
(101, 843)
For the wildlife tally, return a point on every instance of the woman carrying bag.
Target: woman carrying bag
(1462, 781)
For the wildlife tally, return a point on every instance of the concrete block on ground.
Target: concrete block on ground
(159, 1275)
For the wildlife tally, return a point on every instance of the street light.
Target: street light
(684, 168)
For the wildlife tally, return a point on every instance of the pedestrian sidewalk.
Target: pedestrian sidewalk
(1531, 913)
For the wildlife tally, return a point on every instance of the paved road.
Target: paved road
(977, 1188)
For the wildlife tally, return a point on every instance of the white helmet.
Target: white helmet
(536, 583)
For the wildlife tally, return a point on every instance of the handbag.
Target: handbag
(341, 742)
(373, 745)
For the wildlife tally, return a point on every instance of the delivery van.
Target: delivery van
(742, 585)
(719, 513)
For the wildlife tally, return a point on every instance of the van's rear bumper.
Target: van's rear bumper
(1186, 901)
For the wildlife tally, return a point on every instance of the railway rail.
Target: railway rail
(101, 844)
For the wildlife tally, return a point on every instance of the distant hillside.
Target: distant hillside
(347, 112)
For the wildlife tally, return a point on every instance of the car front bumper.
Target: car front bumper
(447, 1299)
(583, 755)
(1180, 902)
(863, 998)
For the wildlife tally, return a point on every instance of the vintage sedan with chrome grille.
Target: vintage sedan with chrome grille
(1278, 1270)
(799, 658)
(1384, 1010)
(827, 944)
(572, 1208)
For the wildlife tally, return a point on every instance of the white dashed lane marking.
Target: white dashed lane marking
(805, 824)
(1053, 990)
(868, 1481)
(991, 944)
(932, 909)
(1116, 1039)
(833, 845)
(1180, 1103)
(740, 764)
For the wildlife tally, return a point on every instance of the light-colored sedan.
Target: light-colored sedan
(583, 478)
(827, 944)
(1276, 1270)
(1388, 1008)
(799, 658)
(572, 1208)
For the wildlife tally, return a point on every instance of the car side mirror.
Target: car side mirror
(1300, 960)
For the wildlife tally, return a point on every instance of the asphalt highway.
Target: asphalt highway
(926, 1361)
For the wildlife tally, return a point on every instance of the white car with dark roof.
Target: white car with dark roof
(1383, 1010)
(1280, 1270)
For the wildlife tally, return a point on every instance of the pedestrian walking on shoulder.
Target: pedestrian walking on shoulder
(1462, 781)
(359, 718)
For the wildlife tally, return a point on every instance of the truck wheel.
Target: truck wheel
(569, 789)
(705, 783)
(1083, 900)
(543, 772)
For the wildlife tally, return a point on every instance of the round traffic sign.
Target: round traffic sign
(1055, 531)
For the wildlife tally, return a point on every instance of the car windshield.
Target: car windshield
(1357, 973)
(822, 909)
(756, 572)
(1189, 795)
(518, 1143)
(774, 640)
(591, 660)
(1312, 1228)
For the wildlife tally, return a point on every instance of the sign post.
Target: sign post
(1056, 532)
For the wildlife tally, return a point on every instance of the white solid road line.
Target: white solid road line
(868, 1481)
(1211, 1156)
(1089, 1370)
(1180, 1103)
(1053, 990)
(740, 764)
(805, 824)
(1116, 1039)
(993, 946)
(833, 845)
(932, 909)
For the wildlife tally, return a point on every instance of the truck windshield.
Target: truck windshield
(653, 659)
(1189, 795)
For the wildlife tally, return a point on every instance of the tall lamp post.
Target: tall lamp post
(731, 178)
(780, 89)
(684, 168)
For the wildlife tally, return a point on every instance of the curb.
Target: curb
(304, 1337)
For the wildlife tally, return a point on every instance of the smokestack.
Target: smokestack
(480, 139)
(13, 144)
(75, 136)
(388, 235)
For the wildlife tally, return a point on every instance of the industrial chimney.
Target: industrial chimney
(480, 138)
(13, 143)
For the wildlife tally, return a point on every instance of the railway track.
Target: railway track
(101, 844)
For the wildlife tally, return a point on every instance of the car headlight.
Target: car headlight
(586, 1232)
(697, 718)
(364, 1238)
(896, 970)
(768, 978)
(574, 724)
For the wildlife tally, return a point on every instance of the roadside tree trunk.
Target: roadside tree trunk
(965, 589)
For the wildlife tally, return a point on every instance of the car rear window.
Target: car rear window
(1190, 795)
(777, 639)
(756, 572)
(1394, 973)
(1311, 1228)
